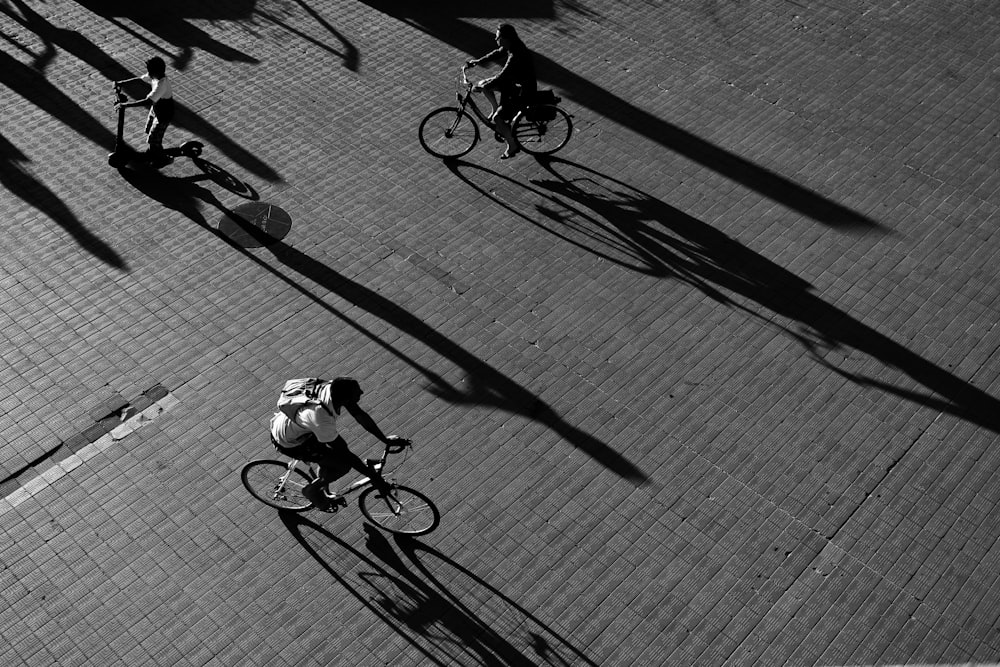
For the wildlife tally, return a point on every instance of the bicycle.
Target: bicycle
(403, 511)
(451, 132)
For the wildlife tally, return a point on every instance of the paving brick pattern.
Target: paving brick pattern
(714, 386)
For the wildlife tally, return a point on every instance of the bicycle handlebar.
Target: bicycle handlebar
(397, 444)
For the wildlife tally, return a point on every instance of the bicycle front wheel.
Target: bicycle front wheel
(403, 511)
(272, 483)
(546, 136)
(448, 132)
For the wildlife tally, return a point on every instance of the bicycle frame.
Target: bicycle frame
(468, 100)
(356, 485)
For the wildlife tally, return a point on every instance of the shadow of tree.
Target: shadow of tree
(474, 40)
(428, 616)
(487, 386)
(171, 24)
(349, 55)
(25, 187)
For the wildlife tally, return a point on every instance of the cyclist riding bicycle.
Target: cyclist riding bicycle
(310, 434)
(516, 82)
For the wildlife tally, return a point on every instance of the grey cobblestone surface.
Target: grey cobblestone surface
(714, 386)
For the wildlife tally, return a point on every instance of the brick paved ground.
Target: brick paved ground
(715, 386)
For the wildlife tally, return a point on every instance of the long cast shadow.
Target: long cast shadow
(473, 40)
(488, 386)
(424, 612)
(349, 54)
(547, 646)
(708, 257)
(26, 187)
(584, 230)
(32, 85)
(170, 24)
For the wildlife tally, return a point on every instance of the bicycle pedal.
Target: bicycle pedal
(336, 501)
(330, 508)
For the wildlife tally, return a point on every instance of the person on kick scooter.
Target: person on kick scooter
(161, 106)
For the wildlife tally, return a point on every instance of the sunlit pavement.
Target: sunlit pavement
(715, 385)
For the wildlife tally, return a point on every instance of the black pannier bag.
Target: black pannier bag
(537, 109)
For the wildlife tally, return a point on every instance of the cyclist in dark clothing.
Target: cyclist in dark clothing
(516, 82)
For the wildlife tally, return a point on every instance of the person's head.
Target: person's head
(506, 36)
(156, 68)
(345, 391)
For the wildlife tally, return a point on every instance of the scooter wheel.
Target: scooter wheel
(117, 160)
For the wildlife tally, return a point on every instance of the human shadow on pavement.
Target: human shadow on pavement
(475, 41)
(676, 245)
(20, 183)
(487, 386)
(430, 618)
(349, 53)
(33, 87)
(171, 23)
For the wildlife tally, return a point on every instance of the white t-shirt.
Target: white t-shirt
(320, 420)
(161, 88)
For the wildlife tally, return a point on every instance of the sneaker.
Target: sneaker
(329, 508)
(335, 500)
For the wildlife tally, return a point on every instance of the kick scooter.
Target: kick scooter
(123, 153)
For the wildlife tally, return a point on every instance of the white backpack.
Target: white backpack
(297, 394)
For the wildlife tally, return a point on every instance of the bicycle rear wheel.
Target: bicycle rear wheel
(543, 137)
(266, 481)
(448, 132)
(404, 511)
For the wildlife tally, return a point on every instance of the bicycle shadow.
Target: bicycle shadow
(643, 233)
(423, 611)
(486, 385)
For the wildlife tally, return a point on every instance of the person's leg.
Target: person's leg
(155, 138)
(502, 123)
(160, 116)
(312, 451)
(492, 99)
(346, 457)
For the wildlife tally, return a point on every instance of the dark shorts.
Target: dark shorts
(159, 119)
(332, 457)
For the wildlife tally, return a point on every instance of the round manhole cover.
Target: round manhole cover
(256, 224)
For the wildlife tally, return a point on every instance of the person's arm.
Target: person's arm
(366, 422)
(495, 54)
(135, 103)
